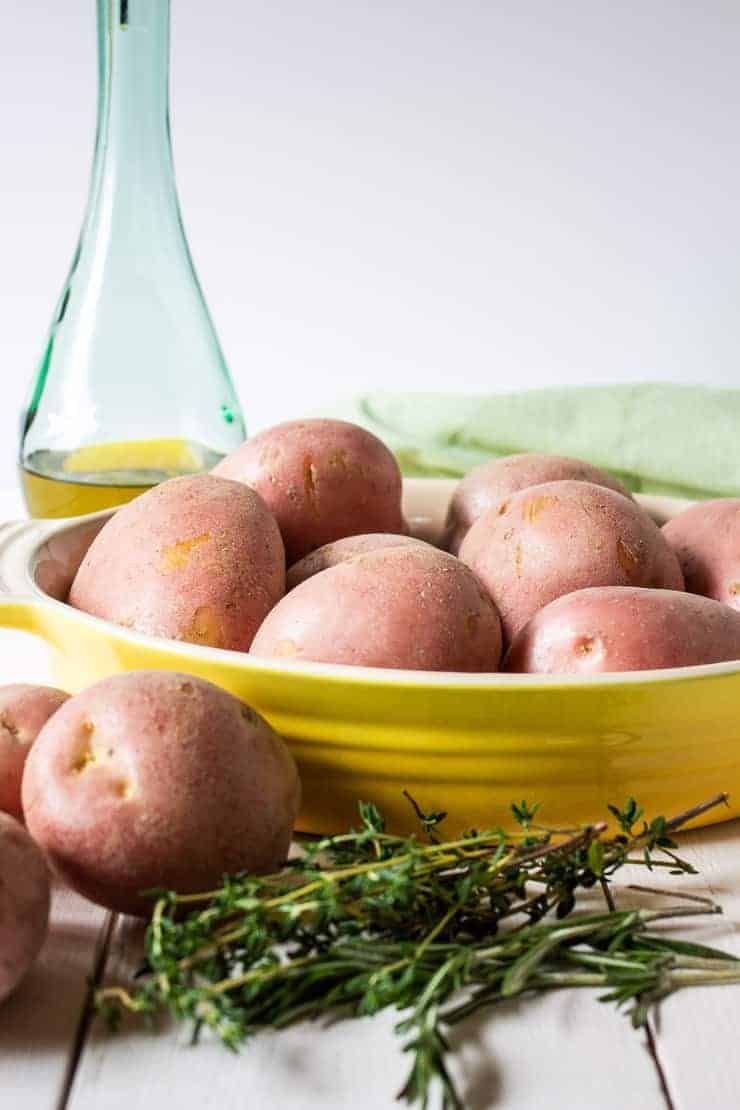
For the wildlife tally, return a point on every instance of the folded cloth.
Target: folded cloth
(656, 438)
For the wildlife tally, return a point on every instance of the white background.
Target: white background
(422, 194)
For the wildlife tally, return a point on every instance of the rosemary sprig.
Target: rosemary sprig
(436, 928)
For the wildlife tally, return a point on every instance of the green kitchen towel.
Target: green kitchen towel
(656, 438)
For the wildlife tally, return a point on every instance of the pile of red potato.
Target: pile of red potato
(162, 780)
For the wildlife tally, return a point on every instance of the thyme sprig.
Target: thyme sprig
(436, 928)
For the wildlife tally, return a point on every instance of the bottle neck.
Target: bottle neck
(133, 135)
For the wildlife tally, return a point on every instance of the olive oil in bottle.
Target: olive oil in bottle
(64, 484)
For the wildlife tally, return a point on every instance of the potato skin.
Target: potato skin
(706, 539)
(24, 903)
(322, 480)
(341, 551)
(198, 559)
(156, 779)
(488, 484)
(558, 537)
(24, 710)
(410, 607)
(618, 628)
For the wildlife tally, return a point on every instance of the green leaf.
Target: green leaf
(628, 816)
(523, 813)
(516, 978)
(595, 857)
(687, 948)
(371, 817)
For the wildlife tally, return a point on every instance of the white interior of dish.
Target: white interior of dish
(57, 559)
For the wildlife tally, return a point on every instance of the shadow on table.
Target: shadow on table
(473, 1064)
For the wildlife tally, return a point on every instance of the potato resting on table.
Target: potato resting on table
(616, 628)
(24, 903)
(706, 539)
(322, 480)
(155, 779)
(198, 559)
(558, 537)
(412, 607)
(488, 484)
(341, 551)
(24, 710)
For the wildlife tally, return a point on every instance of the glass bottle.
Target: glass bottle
(132, 386)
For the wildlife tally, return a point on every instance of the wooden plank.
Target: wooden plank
(562, 1051)
(39, 1023)
(697, 1033)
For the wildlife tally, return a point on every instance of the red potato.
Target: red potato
(486, 485)
(616, 628)
(153, 779)
(24, 710)
(24, 903)
(198, 559)
(331, 554)
(411, 607)
(706, 539)
(322, 480)
(558, 537)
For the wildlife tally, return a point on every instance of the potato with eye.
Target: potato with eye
(322, 480)
(706, 539)
(198, 559)
(156, 779)
(615, 628)
(488, 484)
(24, 903)
(24, 710)
(411, 607)
(331, 554)
(558, 537)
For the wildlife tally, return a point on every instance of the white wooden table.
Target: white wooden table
(564, 1051)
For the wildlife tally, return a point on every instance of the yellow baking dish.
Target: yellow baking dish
(469, 744)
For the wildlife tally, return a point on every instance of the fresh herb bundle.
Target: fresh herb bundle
(436, 928)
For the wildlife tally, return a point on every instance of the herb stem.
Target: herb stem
(696, 811)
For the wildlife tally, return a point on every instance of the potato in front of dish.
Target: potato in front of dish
(157, 779)
(24, 710)
(24, 903)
